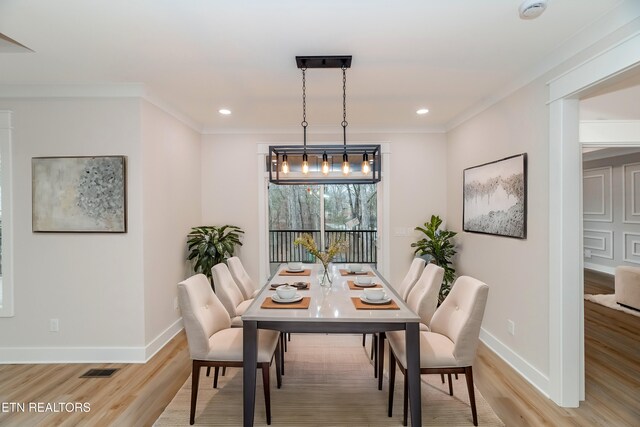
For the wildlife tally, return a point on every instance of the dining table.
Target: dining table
(329, 309)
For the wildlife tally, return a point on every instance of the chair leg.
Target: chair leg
(208, 370)
(406, 398)
(282, 353)
(224, 371)
(289, 336)
(284, 340)
(450, 386)
(374, 348)
(373, 344)
(381, 337)
(456, 376)
(442, 378)
(392, 379)
(278, 366)
(364, 339)
(215, 376)
(195, 379)
(468, 373)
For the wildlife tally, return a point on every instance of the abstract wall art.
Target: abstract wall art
(79, 194)
(495, 197)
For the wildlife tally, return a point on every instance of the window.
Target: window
(327, 212)
(6, 285)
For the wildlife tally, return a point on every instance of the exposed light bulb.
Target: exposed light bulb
(366, 168)
(285, 164)
(346, 168)
(325, 164)
(305, 164)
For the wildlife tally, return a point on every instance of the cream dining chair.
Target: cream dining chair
(423, 300)
(229, 293)
(449, 347)
(403, 289)
(242, 278)
(212, 341)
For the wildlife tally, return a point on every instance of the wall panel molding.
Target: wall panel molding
(598, 194)
(605, 237)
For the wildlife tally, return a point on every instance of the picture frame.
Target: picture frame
(79, 194)
(495, 198)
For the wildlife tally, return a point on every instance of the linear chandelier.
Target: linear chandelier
(317, 164)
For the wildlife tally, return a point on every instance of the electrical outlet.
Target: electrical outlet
(511, 327)
(54, 325)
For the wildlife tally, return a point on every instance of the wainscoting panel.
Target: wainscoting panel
(598, 194)
(631, 193)
(599, 242)
(631, 247)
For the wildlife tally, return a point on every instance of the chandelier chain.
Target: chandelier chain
(344, 96)
(304, 98)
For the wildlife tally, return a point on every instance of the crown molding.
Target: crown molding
(102, 90)
(320, 130)
(106, 90)
(624, 15)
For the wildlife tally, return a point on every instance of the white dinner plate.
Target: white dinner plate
(380, 301)
(295, 271)
(279, 300)
(365, 285)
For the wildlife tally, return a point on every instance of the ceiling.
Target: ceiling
(199, 56)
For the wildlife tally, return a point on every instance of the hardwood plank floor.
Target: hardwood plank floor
(135, 395)
(138, 393)
(612, 373)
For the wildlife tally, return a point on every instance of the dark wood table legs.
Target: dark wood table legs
(250, 358)
(413, 372)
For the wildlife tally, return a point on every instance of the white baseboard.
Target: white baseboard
(600, 268)
(161, 340)
(34, 355)
(521, 366)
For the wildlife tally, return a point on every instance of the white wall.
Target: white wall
(171, 206)
(417, 188)
(516, 270)
(92, 283)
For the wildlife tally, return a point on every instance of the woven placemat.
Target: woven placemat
(364, 306)
(344, 272)
(302, 304)
(354, 287)
(295, 273)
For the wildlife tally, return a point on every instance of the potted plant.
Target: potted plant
(439, 246)
(211, 245)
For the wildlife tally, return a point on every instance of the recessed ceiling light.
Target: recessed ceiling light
(422, 111)
(224, 111)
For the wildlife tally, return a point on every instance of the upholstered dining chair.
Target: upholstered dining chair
(212, 341)
(229, 293)
(242, 278)
(403, 289)
(423, 300)
(449, 347)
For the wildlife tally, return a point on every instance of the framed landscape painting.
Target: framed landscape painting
(495, 198)
(79, 194)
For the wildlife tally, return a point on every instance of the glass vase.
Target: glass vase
(325, 276)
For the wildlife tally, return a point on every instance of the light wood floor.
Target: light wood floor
(137, 394)
(612, 368)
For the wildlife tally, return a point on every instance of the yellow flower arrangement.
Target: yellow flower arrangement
(325, 257)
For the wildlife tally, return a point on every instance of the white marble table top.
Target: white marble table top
(328, 304)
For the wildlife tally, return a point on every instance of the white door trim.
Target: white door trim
(6, 281)
(566, 317)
